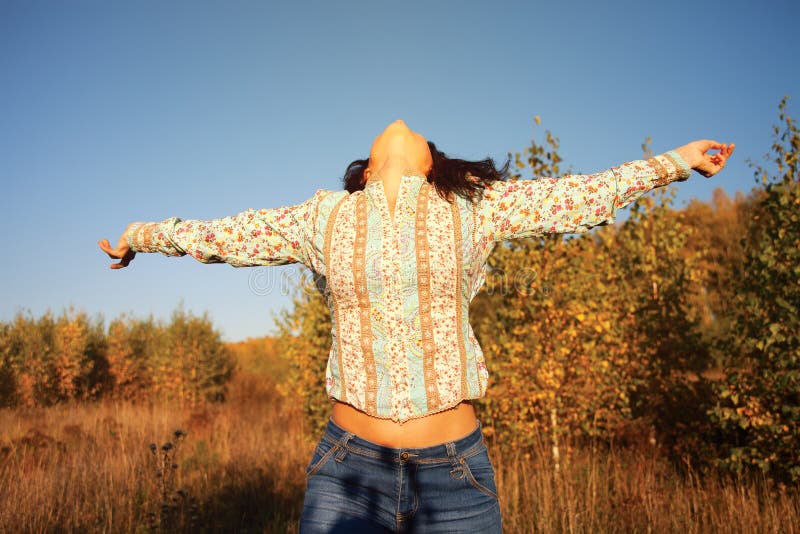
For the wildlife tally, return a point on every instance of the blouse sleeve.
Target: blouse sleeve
(572, 204)
(274, 236)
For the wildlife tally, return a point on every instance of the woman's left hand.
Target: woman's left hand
(696, 156)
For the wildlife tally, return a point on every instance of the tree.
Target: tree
(599, 329)
(759, 401)
(716, 240)
(549, 320)
(660, 282)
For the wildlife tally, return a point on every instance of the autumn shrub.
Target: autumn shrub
(129, 347)
(304, 341)
(7, 380)
(192, 363)
(49, 360)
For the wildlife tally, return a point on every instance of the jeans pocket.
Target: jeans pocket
(479, 472)
(323, 452)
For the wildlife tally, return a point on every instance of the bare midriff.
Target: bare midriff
(433, 429)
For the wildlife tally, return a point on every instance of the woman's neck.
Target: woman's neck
(389, 173)
(393, 168)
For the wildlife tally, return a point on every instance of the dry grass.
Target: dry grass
(88, 468)
(635, 492)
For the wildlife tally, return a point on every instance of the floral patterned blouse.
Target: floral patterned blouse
(399, 286)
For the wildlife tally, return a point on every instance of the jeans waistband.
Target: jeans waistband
(445, 452)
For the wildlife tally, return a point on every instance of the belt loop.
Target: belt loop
(451, 453)
(457, 471)
(343, 446)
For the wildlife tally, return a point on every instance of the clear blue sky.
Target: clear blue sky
(112, 112)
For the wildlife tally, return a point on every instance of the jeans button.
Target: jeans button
(404, 456)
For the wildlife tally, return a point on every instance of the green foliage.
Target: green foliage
(759, 402)
(660, 283)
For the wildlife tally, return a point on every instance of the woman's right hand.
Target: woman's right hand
(697, 157)
(122, 252)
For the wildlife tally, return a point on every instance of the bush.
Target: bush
(758, 405)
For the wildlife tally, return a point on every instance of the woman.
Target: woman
(400, 253)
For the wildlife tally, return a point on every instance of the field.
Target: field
(239, 468)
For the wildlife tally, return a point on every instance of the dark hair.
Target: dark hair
(448, 175)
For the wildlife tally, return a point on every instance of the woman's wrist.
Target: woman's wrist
(667, 168)
(136, 236)
(687, 155)
(682, 166)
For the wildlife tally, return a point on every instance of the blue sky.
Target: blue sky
(114, 112)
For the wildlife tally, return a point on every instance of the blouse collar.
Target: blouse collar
(410, 185)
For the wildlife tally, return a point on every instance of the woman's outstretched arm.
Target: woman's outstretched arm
(572, 204)
(274, 236)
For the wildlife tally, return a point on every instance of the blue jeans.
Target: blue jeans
(355, 486)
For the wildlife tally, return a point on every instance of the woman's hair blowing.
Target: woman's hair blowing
(448, 175)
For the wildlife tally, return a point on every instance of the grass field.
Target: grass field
(239, 468)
